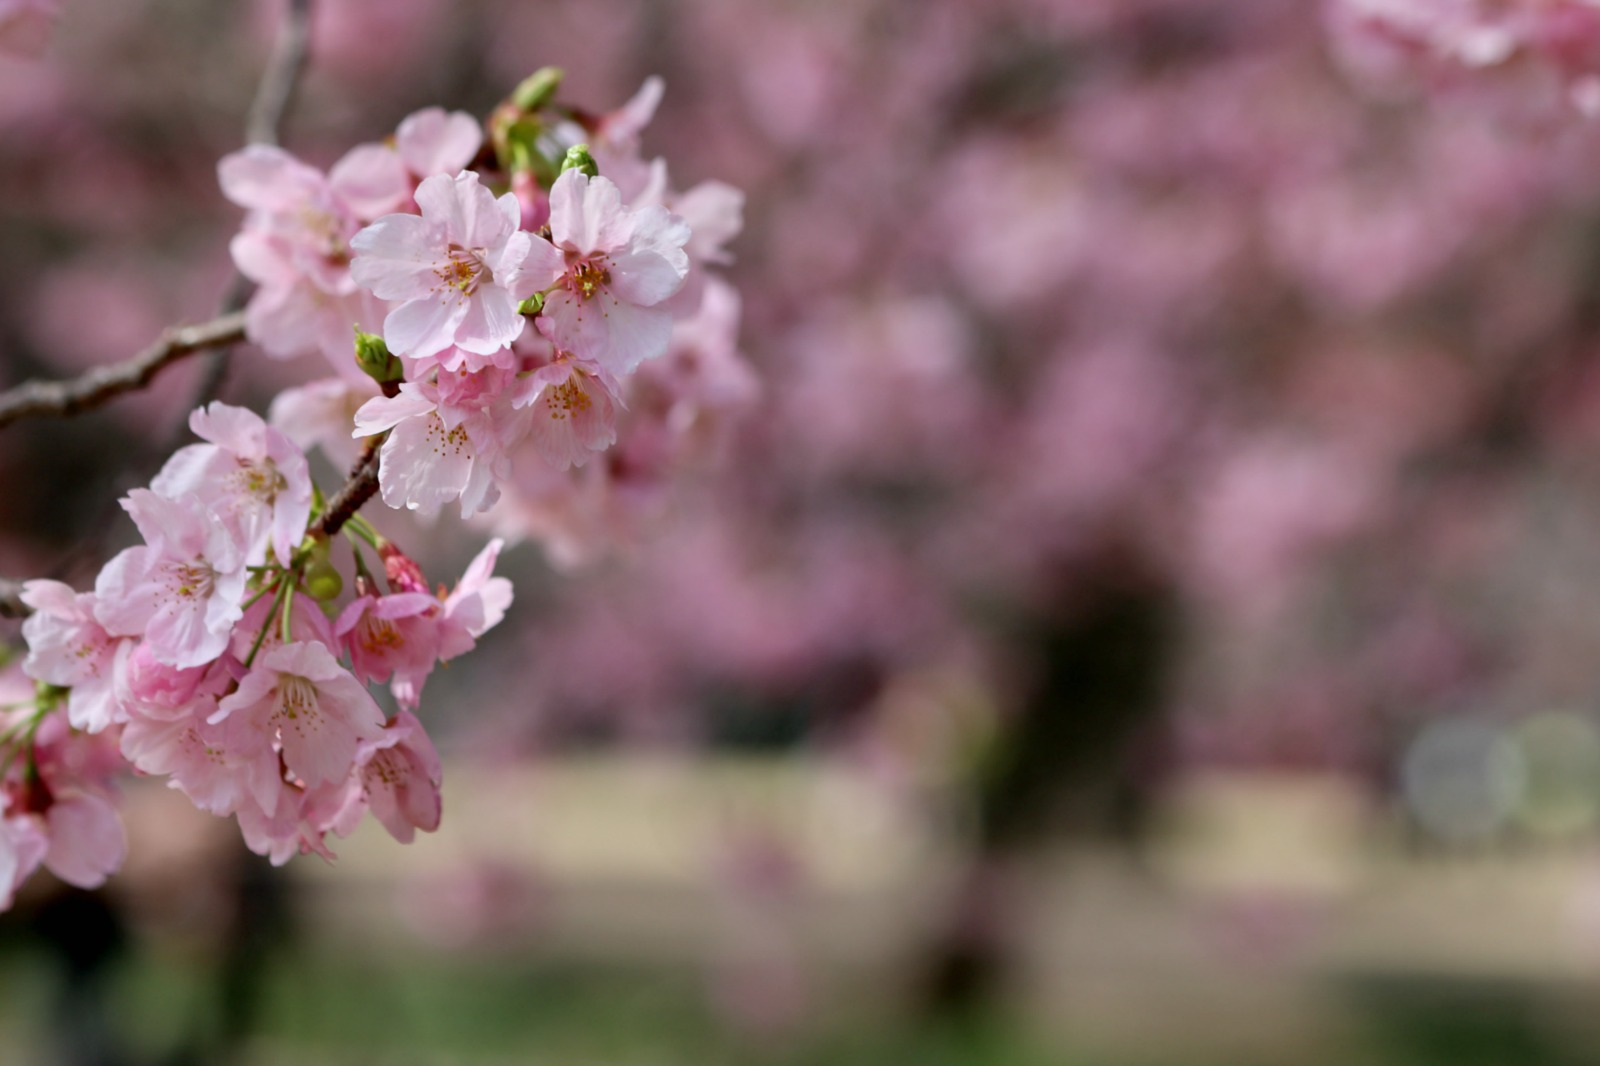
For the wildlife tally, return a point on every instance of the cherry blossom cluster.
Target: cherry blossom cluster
(486, 298)
(217, 655)
(1548, 49)
(508, 284)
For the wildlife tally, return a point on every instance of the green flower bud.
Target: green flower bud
(578, 158)
(532, 305)
(517, 145)
(323, 582)
(537, 88)
(375, 360)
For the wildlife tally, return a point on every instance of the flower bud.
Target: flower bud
(402, 571)
(375, 360)
(537, 88)
(323, 582)
(578, 158)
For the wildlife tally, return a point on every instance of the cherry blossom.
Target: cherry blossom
(222, 768)
(448, 439)
(296, 245)
(250, 474)
(222, 654)
(455, 271)
(397, 778)
(300, 697)
(24, 843)
(435, 141)
(574, 410)
(183, 590)
(68, 647)
(476, 605)
(394, 635)
(611, 266)
(318, 414)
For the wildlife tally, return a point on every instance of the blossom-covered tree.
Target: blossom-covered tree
(484, 297)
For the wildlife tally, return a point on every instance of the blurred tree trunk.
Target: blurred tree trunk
(1100, 655)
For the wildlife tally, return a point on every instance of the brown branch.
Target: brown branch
(96, 386)
(275, 92)
(11, 605)
(282, 76)
(361, 487)
(274, 95)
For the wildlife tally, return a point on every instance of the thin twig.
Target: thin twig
(274, 95)
(279, 83)
(214, 364)
(360, 488)
(101, 383)
(282, 76)
(11, 605)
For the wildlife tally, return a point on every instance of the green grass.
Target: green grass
(414, 1009)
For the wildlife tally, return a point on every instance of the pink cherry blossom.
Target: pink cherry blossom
(219, 767)
(184, 590)
(291, 315)
(68, 799)
(435, 141)
(295, 245)
(370, 180)
(297, 214)
(476, 605)
(299, 696)
(389, 635)
(455, 271)
(148, 688)
(397, 778)
(67, 646)
(250, 475)
(574, 410)
(87, 843)
(23, 845)
(449, 438)
(611, 267)
(283, 830)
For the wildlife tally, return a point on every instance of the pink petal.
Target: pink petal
(424, 326)
(432, 141)
(86, 839)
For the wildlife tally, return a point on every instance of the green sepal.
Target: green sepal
(375, 360)
(578, 158)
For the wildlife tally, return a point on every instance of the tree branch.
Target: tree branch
(11, 605)
(274, 95)
(361, 487)
(276, 91)
(96, 386)
(282, 76)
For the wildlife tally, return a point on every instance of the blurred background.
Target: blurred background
(1147, 615)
